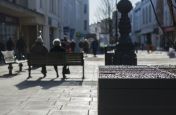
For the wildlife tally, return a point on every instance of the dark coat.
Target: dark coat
(94, 45)
(57, 49)
(72, 45)
(39, 48)
(21, 45)
(2, 46)
(86, 47)
(10, 45)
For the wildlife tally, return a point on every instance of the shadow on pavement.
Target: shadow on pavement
(48, 84)
(8, 76)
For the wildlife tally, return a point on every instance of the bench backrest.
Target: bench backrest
(56, 58)
(74, 59)
(9, 56)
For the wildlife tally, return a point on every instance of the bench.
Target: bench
(9, 58)
(59, 59)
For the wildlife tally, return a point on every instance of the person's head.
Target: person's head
(57, 42)
(65, 39)
(73, 40)
(39, 40)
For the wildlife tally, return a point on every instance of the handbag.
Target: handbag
(66, 70)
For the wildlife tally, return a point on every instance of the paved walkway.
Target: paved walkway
(51, 96)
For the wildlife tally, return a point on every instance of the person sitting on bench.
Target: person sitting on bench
(39, 49)
(58, 49)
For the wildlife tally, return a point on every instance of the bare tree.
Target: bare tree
(104, 12)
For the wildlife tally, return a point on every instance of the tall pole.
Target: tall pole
(116, 33)
(109, 21)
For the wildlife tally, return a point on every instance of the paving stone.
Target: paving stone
(66, 112)
(76, 107)
(27, 112)
(49, 103)
(80, 99)
(5, 112)
(80, 103)
(93, 112)
(40, 107)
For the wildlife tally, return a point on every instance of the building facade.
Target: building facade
(18, 20)
(48, 18)
(169, 27)
(147, 23)
(75, 18)
(50, 29)
(136, 23)
(29, 19)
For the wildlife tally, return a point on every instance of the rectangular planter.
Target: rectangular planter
(140, 95)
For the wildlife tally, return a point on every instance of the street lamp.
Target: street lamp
(124, 52)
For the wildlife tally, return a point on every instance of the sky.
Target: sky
(94, 4)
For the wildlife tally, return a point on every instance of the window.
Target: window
(143, 13)
(85, 8)
(147, 16)
(41, 3)
(53, 6)
(150, 14)
(14, 1)
(85, 25)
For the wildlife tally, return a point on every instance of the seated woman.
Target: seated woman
(58, 49)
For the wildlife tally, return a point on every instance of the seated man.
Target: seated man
(39, 49)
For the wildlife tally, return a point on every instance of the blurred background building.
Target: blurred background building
(50, 18)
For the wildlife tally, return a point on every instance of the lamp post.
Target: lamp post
(124, 52)
(116, 33)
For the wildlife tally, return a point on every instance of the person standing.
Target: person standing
(2, 48)
(86, 47)
(136, 46)
(39, 49)
(10, 44)
(21, 48)
(94, 47)
(72, 45)
(58, 49)
(81, 45)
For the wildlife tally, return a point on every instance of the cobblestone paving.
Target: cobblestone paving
(51, 96)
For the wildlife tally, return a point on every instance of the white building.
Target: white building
(136, 23)
(169, 27)
(148, 23)
(95, 29)
(50, 9)
(75, 18)
(85, 16)
(145, 27)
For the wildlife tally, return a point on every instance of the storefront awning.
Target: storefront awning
(23, 13)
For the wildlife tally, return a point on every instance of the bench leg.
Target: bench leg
(20, 66)
(10, 67)
(29, 70)
(83, 72)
